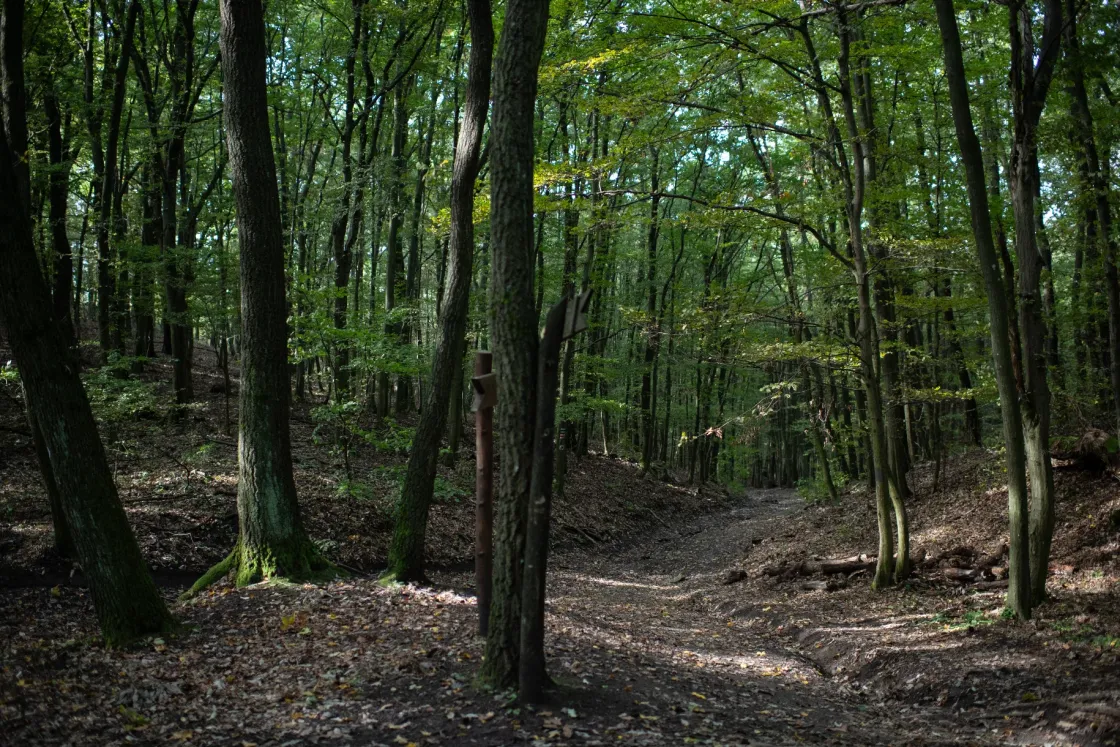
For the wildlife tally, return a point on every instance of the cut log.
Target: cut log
(964, 575)
(853, 564)
(989, 585)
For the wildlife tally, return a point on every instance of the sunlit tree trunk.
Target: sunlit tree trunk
(1019, 589)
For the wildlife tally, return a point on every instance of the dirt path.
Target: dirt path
(708, 677)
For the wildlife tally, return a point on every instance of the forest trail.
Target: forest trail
(646, 641)
(708, 673)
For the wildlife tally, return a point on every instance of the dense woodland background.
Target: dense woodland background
(684, 171)
(825, 243)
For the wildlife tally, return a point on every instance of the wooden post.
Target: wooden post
(483, 483)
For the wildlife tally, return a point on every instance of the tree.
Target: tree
(272, 542)
(406, 555)
(1095, 184)
(514, 322)
(1031, 73)
(1019, 589)
(125, 598)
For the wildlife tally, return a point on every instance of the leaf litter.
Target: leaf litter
(664, 626)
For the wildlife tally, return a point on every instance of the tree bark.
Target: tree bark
(406, 554)
(1019, 589)
(532, 672)
(514, 323)
(1030, 82)
(272, 541)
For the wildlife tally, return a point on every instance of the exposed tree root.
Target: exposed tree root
(251, 565)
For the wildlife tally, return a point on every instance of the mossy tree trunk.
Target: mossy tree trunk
(272, 539)
(124, 596)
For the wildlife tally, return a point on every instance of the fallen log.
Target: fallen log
(1095, 452)
(830, 567)
(847, 565)
(989, 585)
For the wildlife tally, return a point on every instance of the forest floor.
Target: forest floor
(673, 614)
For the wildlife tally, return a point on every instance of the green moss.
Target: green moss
(253, 565)
(218, 572)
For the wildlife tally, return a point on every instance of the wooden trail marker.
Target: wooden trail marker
(485, 386)
(485, 390)
(575, 315)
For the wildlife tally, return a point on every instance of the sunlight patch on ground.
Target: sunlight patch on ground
(615, 582)
(752, 663)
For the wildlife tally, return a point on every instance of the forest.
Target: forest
(585, 371)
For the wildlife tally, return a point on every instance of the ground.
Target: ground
(673, 614)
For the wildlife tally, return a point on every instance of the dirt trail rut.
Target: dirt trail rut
(705, 677)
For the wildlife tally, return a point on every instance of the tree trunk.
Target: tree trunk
(341, 244)
(126, 600)
(1030, 82)
(532, 673)
(1019, 589)
(406, 554)
(652, 333)
(394, 278)
(106, 287)
(272, 542)
(1098, 185)
(59, 197)
(514, 324)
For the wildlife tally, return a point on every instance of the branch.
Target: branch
(800, 224)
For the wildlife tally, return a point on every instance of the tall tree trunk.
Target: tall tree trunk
(533, 676)
(514, 324)
(573, 188)
(342, 247)
(1097, 184)
(394, 278)
(406, 553)
(854, 179)
(1019, 590)
(1030, 80)
(652, 333)
(124, 596)
(106, 287)
(272, 541)
(59, 197)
